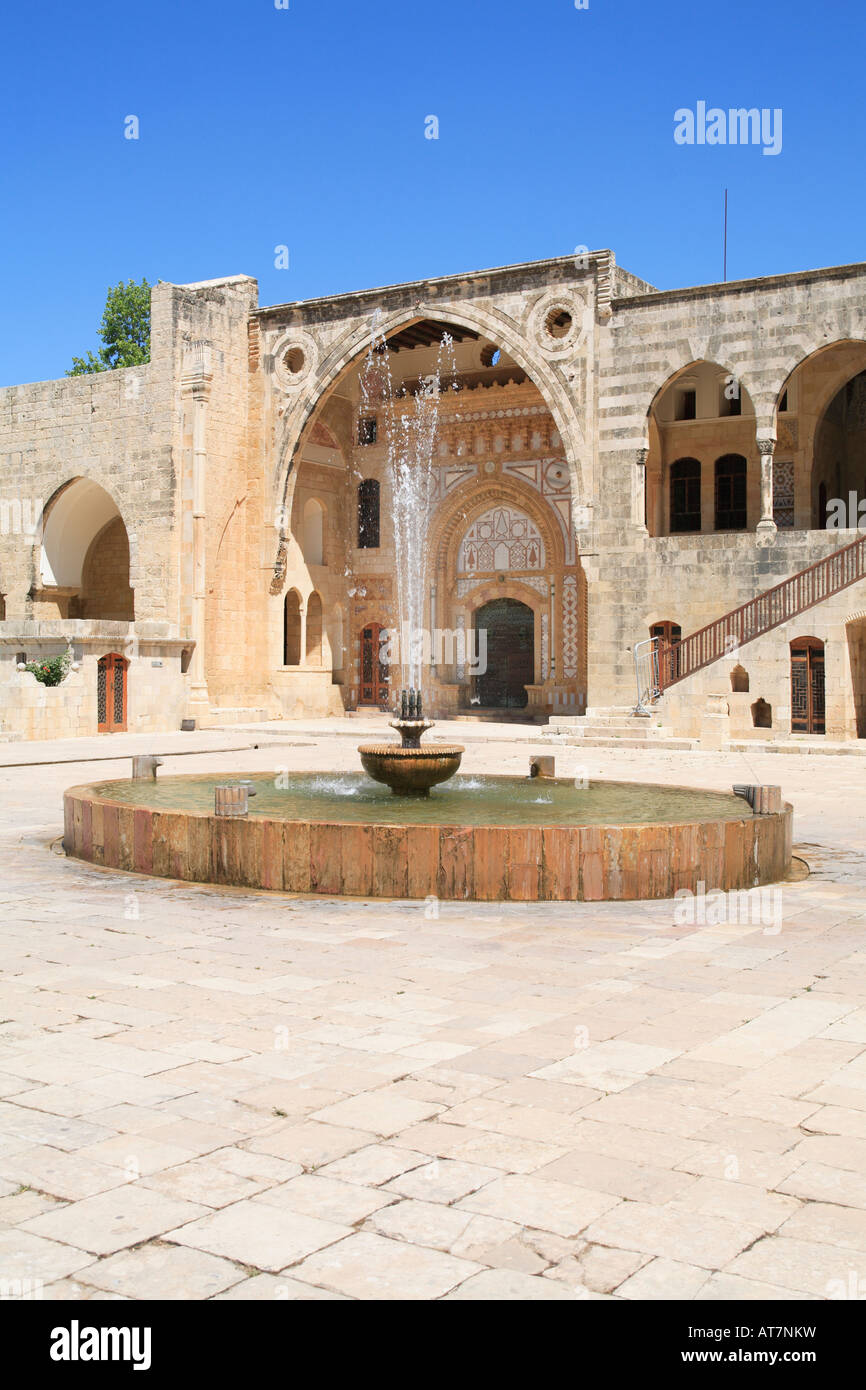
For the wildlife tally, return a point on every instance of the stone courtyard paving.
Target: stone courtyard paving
(233, 1095)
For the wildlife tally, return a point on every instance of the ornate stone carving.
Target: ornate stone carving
(503, 538)
(279, 576)
(569, 627)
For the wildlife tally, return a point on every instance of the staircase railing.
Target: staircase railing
(671, 663)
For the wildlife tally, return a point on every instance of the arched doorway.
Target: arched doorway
(510, 668)
(375, 673)
(807, 686)
(111, 693)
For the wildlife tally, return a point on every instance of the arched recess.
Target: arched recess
(560, 608)
(701, 412)
(491, 324)
(292, 629)
(313, 542)
(315, 631)
(820, 449)
(84, 561)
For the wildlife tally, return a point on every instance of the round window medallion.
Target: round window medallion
(556, 324)
(295, 358)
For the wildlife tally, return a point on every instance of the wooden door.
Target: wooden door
(807, 686)
(510, 628)
(375, 674)
(669, 637)
(111, 694)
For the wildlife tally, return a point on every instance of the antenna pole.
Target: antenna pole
(725, 260)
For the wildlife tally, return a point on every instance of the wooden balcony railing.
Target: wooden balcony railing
(674, 661)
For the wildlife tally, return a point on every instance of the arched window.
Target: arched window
(314, 630)
(731, 493)
(292, 629)
(314, 532)
(685, 482)
(368, 514)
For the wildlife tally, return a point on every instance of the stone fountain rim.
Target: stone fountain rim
(259, 816)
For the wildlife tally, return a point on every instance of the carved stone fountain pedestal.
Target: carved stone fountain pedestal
(406, 767)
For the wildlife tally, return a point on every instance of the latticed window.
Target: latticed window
(783, 493)
(368, 514)
(731, 493)
(368, 430)
(685, 479)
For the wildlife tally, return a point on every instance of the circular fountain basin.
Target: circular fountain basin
(411, 771)
(500, 839)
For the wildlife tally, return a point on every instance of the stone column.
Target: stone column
(197, 382)
(433, 630)
(640, 490)
(303, 651)
(553, 631)
(766, 529)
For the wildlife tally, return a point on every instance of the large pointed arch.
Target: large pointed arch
(347, 352)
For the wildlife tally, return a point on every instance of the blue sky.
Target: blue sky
(304, 127)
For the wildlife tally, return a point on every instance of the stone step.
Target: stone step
(600, 721)
(643, 729)
(219, 718)
(599, 741)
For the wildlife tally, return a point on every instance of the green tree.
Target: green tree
(125, 331)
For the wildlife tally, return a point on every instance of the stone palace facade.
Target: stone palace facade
(209, 536)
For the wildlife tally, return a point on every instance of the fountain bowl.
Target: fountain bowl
(410, 771)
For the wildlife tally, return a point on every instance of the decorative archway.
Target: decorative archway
(308, 390)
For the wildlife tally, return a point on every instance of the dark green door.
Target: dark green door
(510, 628)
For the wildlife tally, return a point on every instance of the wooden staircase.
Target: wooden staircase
(658, 667)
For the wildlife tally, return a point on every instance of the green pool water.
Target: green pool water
(353, 797)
